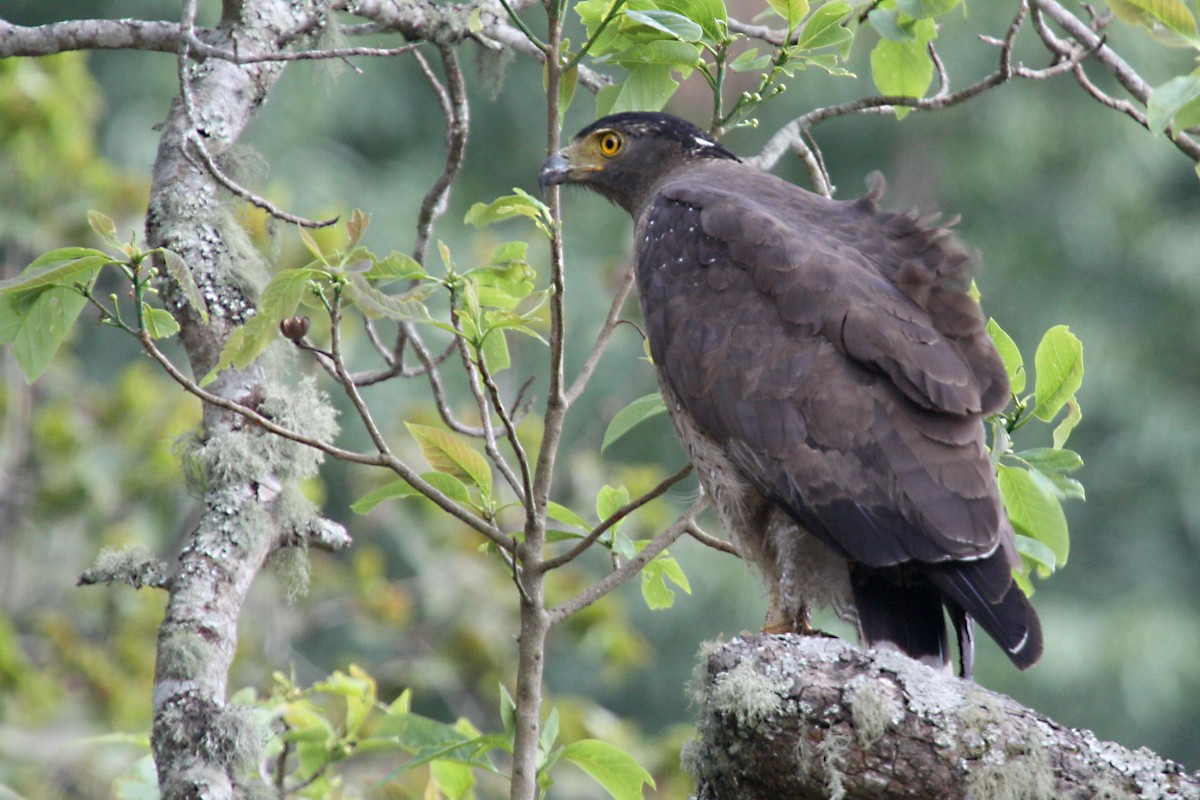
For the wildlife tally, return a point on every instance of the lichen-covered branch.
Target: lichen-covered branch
(814, 717)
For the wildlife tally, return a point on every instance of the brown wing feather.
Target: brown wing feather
(833, 389)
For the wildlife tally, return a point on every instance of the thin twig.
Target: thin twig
(370, 459)
(613, 518)
(624, 286)
(452, 98)
(474, 383)
(510, 428)
(631, 567)
(788, 136)
(429, 367)
(193, 138)
(708, 540)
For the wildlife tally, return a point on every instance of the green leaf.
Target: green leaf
(648, 88)
(1063, 430)
(406, 307)
(655, 24)
(395, 266)
(1053, 464)
(495, 351)
(1051, 460)
(1034, 510)
(65, 266)
(710, 15)
(1014, 365)
(37, 323)
(549, 732)
(792, 11)
(448, 485)
(450, 453)
(508, 710)
(182, 276)
(750, 61)
(826, 26)
(159, 323)
(921, 9)
(518, 204)
(103, 225)
(1170, 21)
(1176, 102)
(609, 500)
(904, 67)
(1038, 553)
(1059, 365)
(614, 769)
(682, 56)
(565, 515)
(358, 689)
(356, 226)
(454, 779)
(245, 344)
(630, 416)
(655, 575)
(282, 295)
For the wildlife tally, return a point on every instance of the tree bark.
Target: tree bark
(203, 747)
(807, 717)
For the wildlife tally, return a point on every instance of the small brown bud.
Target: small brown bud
(294, 328)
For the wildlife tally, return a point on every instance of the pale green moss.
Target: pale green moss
(872, 708)
(746, 695)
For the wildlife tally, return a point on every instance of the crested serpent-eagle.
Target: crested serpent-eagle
(828, 376)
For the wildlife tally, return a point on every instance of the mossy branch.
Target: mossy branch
(811, 717)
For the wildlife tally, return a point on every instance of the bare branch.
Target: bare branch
(621, 513)
(791, 136)
(453, 101)
(250, 197)
(631, 567)
(624, 286)
(1127, 76)
(375, 460)
(708, 540)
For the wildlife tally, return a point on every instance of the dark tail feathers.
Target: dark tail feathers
(903, 606)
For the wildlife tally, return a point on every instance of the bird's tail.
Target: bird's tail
(902, 611)
(985, 590)
(903, 608)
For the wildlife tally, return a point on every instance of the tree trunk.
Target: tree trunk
(806, 717)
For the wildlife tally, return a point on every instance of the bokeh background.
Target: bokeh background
(1080, 216)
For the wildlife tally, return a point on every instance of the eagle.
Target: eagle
(828, 375)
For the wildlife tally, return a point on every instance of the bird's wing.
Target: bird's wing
(833, 390)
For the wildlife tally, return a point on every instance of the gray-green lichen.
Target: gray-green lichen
(827, 758)
(1001, 775)
(133, 565)
(182, 652)
(747, 695)
(872, 708)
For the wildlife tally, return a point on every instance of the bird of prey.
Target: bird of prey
(828, 376)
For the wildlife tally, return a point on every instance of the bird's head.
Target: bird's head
(623, 155)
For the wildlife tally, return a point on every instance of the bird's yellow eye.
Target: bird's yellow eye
(610, 143)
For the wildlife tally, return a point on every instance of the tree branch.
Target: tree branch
(814, 717)
(613, 518)
(631, 567)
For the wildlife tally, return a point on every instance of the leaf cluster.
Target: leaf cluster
(1035, 482)
(656, 41)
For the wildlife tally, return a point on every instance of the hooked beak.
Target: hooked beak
(556, 170)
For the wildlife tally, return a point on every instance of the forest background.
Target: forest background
(1082, 218)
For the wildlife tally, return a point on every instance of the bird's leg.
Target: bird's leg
(782, 619)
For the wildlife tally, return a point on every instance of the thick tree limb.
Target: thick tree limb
(808, 717)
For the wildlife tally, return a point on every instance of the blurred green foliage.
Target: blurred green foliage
(1081, 217)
